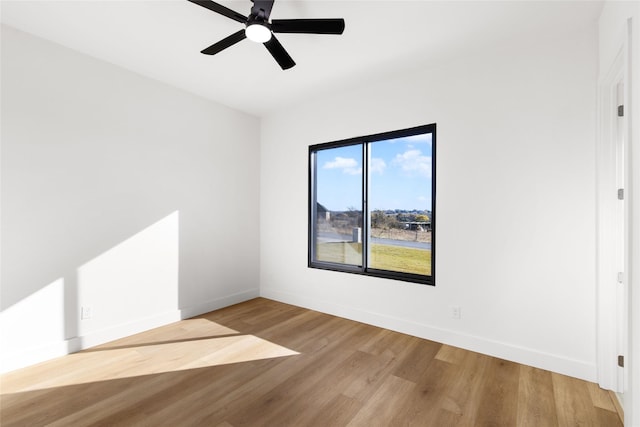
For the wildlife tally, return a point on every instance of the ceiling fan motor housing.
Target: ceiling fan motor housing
(260, 30)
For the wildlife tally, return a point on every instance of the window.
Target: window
(372, 205)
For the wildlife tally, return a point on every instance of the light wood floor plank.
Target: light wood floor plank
(498, 397)
(418, 355)
(264, 363)
(600, 398)
(451, 354)
(458, 405)
(536, 404)
(380, 408)
(338, 412)
(428, 396)
(574, 404)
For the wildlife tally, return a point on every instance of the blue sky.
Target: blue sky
(400, 175)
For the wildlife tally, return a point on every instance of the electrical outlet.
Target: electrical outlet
(456, 312)
(85, 312)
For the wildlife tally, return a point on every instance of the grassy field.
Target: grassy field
(383, 257)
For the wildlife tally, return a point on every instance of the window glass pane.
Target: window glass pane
(400, 176)
(338, 205)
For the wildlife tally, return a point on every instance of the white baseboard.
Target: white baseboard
(218, 303)
(13, 360)
(123, 330)
(23, 357)
(526, 356)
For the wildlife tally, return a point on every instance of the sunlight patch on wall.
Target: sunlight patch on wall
(129, 288)
(137, 278)
(33, 322)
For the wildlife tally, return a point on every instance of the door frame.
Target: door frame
(612, 221)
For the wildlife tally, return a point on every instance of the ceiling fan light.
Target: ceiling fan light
(258, 33)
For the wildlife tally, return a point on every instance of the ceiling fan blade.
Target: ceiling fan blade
(309, 26)
(211, 5)
(279, 54)
(264, 5)
(225, 43)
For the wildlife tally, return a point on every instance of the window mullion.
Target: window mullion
(365, 205)
(313, 176)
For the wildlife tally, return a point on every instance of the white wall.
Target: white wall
(515, 202)
(119, 193)
(612, 33)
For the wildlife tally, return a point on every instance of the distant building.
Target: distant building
(322, 212)
(418, 225)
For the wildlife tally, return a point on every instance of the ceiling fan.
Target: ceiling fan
(259, 29)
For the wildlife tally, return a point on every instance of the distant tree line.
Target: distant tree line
(352, 217)
(382, 219)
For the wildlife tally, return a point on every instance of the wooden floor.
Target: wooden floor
(263, 363)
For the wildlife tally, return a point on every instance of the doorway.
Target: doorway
(612, 221)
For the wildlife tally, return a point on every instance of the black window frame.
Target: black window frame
(364, 270)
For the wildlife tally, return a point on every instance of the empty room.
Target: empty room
(319, 213)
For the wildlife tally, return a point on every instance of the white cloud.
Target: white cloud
(424, 138)
(348, 165)
(352, 171)
(340, 163)
(377, 165)
(412, 161)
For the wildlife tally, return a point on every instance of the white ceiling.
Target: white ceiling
(162, 39)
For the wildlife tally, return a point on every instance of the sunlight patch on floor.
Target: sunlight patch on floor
(122, 361)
